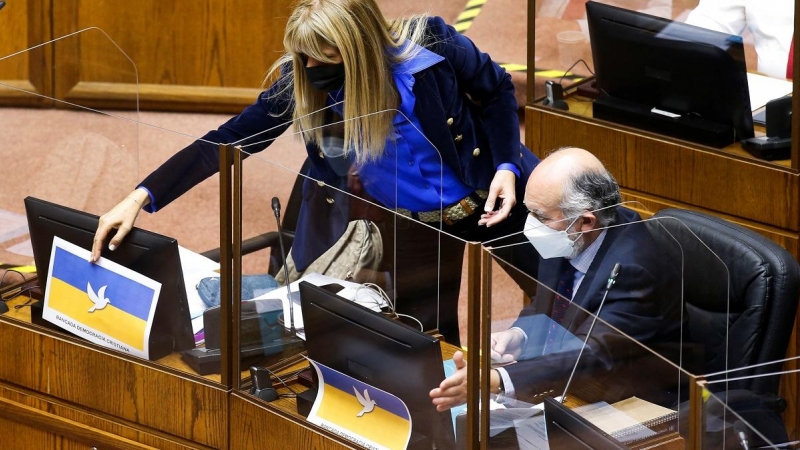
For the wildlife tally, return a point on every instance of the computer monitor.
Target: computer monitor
(150, 254)
(669, 77)
(379, 351)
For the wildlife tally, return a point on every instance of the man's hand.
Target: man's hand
(453, 390)
(502, 187)
(507, 345)
(121, 218)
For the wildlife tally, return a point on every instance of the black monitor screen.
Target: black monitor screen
(669, 77)
(150, 254)
(381, 352)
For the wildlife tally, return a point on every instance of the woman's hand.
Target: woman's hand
(502, 187)
(121, 218)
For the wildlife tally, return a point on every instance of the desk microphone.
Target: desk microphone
(276, 208)
(612, 278)
(554, 95)
(741, 433)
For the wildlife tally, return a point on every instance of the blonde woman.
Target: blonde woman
(409, 90)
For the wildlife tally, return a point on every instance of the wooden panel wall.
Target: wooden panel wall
(761, 196)
(202, 55)
(24, 25)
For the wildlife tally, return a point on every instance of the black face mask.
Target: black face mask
(326, 77)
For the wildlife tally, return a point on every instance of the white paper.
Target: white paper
(609, 419)
(353, 291)
(197, 326)
(84, 323)
(196, 267)
(358, 411)
(763, 89)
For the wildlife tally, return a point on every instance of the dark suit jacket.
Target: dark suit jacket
(466, 87)
(644, 303)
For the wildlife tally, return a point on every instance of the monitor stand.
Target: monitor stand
(206, 361)
(263, 339)
(687, 127)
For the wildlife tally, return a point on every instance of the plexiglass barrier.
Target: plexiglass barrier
(737, 412)
(77, 161)
(375, 282)
(87, 162)
(562, 46)
(639, 349)
(91, 160)
(642, 339)
(577, 339)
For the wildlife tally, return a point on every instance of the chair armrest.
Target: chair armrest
(260, 242)
(773, 402)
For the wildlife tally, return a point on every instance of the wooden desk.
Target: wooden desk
(59, 392)
(56, 392)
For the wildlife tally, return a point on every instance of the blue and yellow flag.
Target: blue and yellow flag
(103, 302)
(359, 412)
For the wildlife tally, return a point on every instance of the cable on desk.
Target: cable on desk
(392, 312)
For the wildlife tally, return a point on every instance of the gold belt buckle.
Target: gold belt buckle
(447, 220)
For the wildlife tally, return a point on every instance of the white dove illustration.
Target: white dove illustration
(365, 401)
(99, 299)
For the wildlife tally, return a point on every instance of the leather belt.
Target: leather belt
(451, 214)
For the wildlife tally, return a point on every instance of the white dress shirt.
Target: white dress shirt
(771, 23)
(556, 8)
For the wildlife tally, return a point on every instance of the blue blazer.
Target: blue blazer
(466, 107)
(644, 303)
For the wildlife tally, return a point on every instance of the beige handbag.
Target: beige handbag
(355, 257)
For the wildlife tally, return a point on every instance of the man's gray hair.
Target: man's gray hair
(591, 190)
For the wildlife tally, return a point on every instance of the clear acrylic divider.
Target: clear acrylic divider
(622, 353)
(93, 159)
(743, 415)
(76, 155)
(740, 418)
(89, 165)
(562, 45)
(349, 230)
(737, 397)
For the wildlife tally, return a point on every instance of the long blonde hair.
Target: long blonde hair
(369, 45)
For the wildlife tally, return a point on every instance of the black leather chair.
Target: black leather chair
(763, 287)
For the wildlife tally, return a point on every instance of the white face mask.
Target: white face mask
(548, 242)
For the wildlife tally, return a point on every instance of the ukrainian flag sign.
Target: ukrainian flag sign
(103, 302)
(368, 416)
